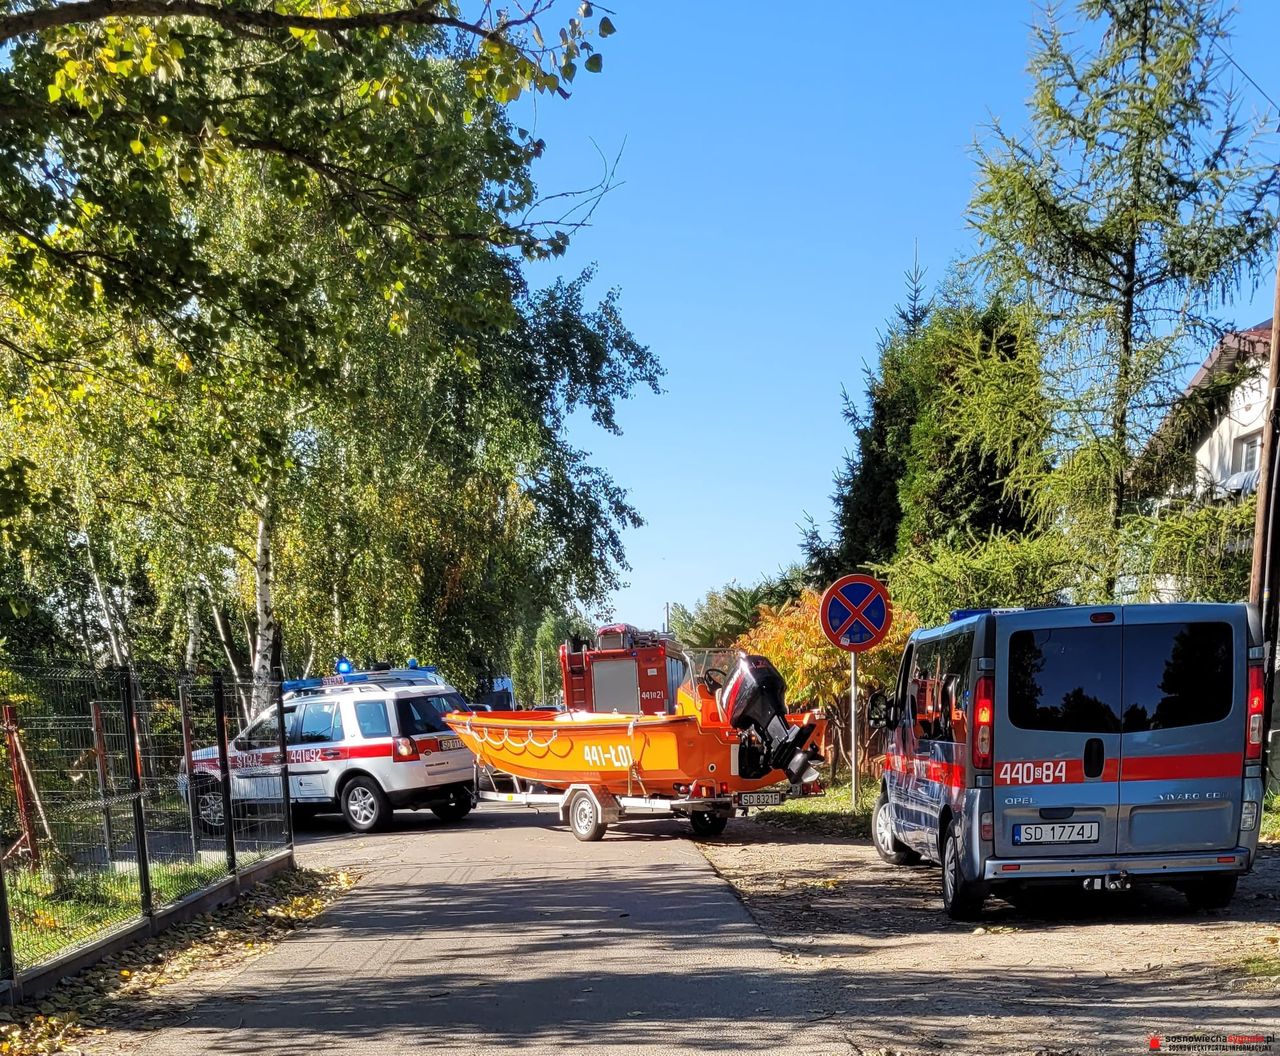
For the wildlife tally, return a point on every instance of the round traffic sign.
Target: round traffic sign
(856, 613)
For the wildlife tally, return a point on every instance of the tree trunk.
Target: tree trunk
(112, 618)
(192, 657)
(236, 660)
(264, 636)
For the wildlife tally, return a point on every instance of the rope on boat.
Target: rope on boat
(514, 746)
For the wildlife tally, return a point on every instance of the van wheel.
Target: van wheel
(888, 846)
(961, 897)
(365, 805)
(584, 817)
(210, 817)
(707, 824)
(1211, 892)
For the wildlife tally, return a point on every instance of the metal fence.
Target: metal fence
(123, 793)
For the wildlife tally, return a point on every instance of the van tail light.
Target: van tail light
(986, 826)
(1254, 714)
(984, 713)
(403, 750)
(1249, 816)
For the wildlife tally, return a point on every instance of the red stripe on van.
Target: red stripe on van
(1173, 767)
(950, 774)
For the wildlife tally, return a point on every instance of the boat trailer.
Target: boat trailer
(589, 810)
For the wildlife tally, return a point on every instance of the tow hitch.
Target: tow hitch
(1112, 882)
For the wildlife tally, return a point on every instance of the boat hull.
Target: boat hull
(624, 754)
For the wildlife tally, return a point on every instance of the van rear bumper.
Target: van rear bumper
(1137, 865)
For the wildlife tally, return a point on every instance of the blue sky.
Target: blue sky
(777, 175)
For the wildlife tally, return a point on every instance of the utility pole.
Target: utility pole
(1266, 560)
(1258, 577)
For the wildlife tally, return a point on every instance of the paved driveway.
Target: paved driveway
(505, 934)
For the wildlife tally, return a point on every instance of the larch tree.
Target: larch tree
(1127, 214)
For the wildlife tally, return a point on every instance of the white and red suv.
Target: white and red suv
(366, 744)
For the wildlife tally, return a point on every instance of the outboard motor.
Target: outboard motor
(753, 700)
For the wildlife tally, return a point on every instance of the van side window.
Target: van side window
(939, 686)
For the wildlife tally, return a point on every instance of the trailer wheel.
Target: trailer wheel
(584, 817)
(706, 823)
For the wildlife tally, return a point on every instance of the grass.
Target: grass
(52, 910)
(1260, 966)
(828, 815)
(1270, 832)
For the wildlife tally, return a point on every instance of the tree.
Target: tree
(386, 122)
(534, 661)
(414, 508)
(722, 616)
(1130, 209)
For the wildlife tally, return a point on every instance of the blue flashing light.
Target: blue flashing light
(343, 666)
(413, 663)
(964, 614)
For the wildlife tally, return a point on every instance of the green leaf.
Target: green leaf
(607, 28)
(594, 63)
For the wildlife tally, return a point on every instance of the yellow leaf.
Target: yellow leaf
(55, 93)
(136, 146)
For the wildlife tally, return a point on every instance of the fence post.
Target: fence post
(8, 969)
(20, 791)
(224, 770)
(135, 788)
(285, 799)
(193, 811)
(104, 783)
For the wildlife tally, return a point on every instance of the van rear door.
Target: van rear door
(1182, 757)
(1057, 743)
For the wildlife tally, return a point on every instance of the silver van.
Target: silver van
(1099, 746)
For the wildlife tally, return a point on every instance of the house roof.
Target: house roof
(1231, 349)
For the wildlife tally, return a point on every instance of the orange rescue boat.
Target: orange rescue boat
(647, 718)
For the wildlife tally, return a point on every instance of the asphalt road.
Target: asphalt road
(505, 934)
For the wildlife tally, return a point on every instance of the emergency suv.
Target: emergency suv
(363, 743)
(1094, 746)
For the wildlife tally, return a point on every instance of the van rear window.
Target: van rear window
(1066, 679)
(1176, 674)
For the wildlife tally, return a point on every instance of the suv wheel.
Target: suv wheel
(706, 823)
(1211, 892)
(961, 897)
(584, 817)
(210, 816)
(888, 846)
(365, 805)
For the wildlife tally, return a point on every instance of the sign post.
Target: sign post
(856, 615)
